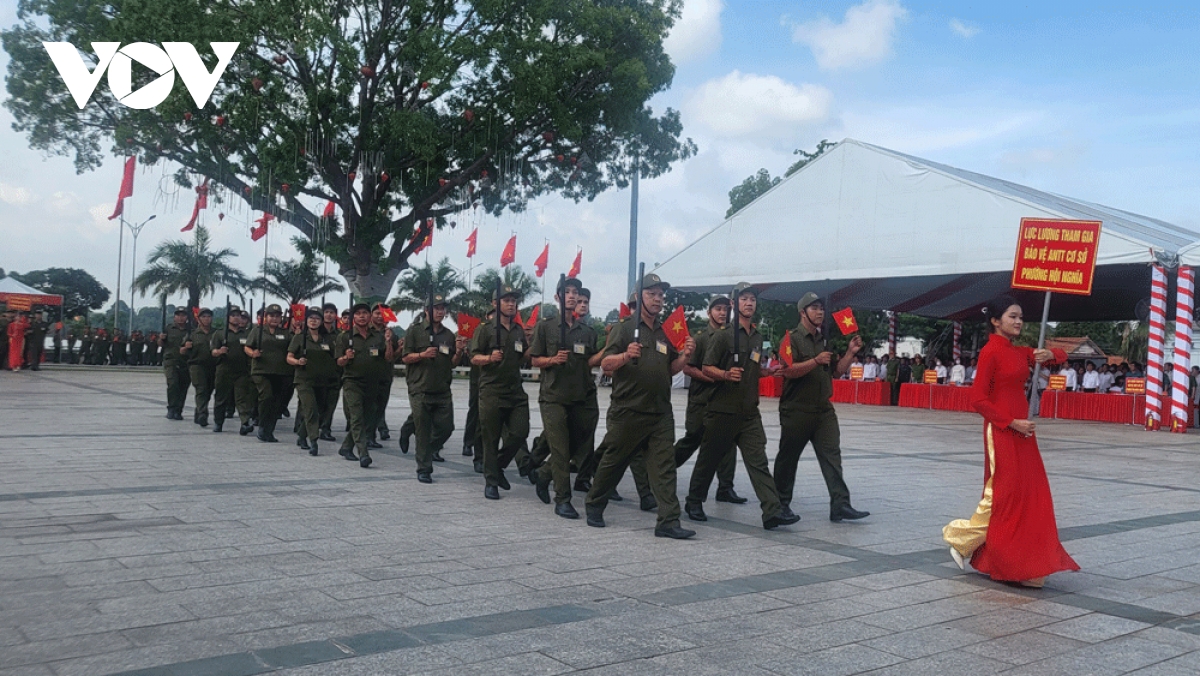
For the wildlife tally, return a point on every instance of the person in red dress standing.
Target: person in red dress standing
(16, 341)
(1012, 536)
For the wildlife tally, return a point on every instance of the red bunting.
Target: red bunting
(577, 265)
(261, 231)
(510, 252)
(539, 265)
(330, 207)
(126, 187)
(201, 203)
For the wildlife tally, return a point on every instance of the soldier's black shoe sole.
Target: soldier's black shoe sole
(566, 510)
(773, 522)
(349, 455)
(731, 497)
(674, 532)
(847, 513)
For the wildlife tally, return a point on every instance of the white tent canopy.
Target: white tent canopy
(873, 228)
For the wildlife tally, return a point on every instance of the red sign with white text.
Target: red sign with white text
(1056, 255)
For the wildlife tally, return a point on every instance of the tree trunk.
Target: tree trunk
(372, 286)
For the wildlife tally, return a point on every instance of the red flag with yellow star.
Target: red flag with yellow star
(467, 325)
(676, 328)
(785, 350)
(845, 321)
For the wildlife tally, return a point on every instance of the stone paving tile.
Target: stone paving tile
(1184, 665)
(1024, 647)
(847, 659)
(1094, 628)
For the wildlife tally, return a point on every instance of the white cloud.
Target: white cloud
(964, 30)
(745, 104)
(697, 33)
(15, 195)
(863, 38)
(671, 239)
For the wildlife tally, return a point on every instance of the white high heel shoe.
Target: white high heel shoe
(958, 559)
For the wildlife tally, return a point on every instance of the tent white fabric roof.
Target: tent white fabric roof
(875, 228)
(8, 285)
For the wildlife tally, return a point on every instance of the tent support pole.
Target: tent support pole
(1037, 366)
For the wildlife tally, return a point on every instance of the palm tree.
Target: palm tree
(192, 268)
(416, 284)
(478, 302)
(295, 280)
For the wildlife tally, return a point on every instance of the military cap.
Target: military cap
(718, 300)
(181, 311)
(652, 280)
(204, 311)
(569, 281)
(233, 309)
(273, 309)
(505, 291)
(314, 311)
(360, 306)
(743, 287)
(808, 299)
(438, 299)
(329, 306)
(585, 292)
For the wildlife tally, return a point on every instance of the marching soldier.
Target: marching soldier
(383, 389)
(235, 392)
(202, 366)
(566, 397)
(100, 352)
(330, 319)
(806, 414)
(137, 348)
(731, 418)
(641, 409)
(85, 346)
(119, 354)
(699, 392)
(35, 341)
(312, 353)
(430, 352)
(267, 347)
(498, 349)
(361, 353)
(174, 362)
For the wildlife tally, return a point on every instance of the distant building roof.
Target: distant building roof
(1077, 348)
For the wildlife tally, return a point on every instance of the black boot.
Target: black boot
(313, 447)
(246, 428)
(302, 443)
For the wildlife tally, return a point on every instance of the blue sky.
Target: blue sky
(1094, 101)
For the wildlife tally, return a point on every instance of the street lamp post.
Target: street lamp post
(136, 230)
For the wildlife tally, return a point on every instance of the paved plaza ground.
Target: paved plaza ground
(133, 544)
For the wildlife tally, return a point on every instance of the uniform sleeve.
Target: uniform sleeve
(295, 344)
(538, 346)
(481, 341)
(715, 349)
(617, 340)
(982, 389)
(410, 339)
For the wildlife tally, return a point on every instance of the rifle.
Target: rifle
(562, 312)
(736, 324)
(499, 290)
(226, 341)
(637, 328)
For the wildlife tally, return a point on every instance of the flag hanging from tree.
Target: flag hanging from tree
(676, 328)
(510, 252)
(126, 187)
(577, 265)
(467, 325)
(201, 203)
(261, 231)
(329, 209)
(427, 241)
(845, 321)
(472, 240)
(539, 266)
(785, 350)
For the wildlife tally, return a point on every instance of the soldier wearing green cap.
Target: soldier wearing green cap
(806, 414)
(267, 348)
(386, 375)
(311, 352)
(499, 349)
(235, 392)
(174, 363)
(566, 396)
(732, 419)
(641, 409)
(431, 351)
(202, 366)
(362, 353)
(699, 392)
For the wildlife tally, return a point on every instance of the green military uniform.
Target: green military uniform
(326, 431)
(85, 346)
(316, 381)
(271, 373)
(35, 342)
(202, 367)
(567, 399)
(892, 375)
(503, 404)
(100, 352)
(137, 347)
(699, 392)
(118, 353)
(383, 394)
(472, 440)
(174, 367)
(918, 372)
(360, 379)
(640, 413)
(429, 389)
(235, 391)
(732, 420)
(806, 414)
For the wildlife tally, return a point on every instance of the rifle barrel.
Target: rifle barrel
(637, 316)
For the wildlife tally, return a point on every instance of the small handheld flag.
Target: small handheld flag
(785, 350)
(845, 321)
(676, 328)
(533, 316)
(467, 325)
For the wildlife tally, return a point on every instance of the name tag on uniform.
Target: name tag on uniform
(444, 349)
(242, 341)
(755, 356)
(662, 347)
(324, 347)
(374, 352)
(280, 336)
(580, 348)
(518, 347)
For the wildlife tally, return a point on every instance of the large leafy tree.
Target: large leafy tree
(402, 113)
(80, 290)
(295, 280)
(191, 268)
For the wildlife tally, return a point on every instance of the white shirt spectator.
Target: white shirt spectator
(1072, 380)
(958, 374)
(1106, 381)
(1091, 380)
(870, 371)
(941, 373)
(971, 375)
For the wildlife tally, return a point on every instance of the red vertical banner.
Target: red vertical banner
(126, 186)
(510, 252)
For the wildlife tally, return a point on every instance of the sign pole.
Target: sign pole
(1034, 399)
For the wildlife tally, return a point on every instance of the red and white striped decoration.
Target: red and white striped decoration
(891, 334)
(957, 341)
(1184, 302)
(1154, 347)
